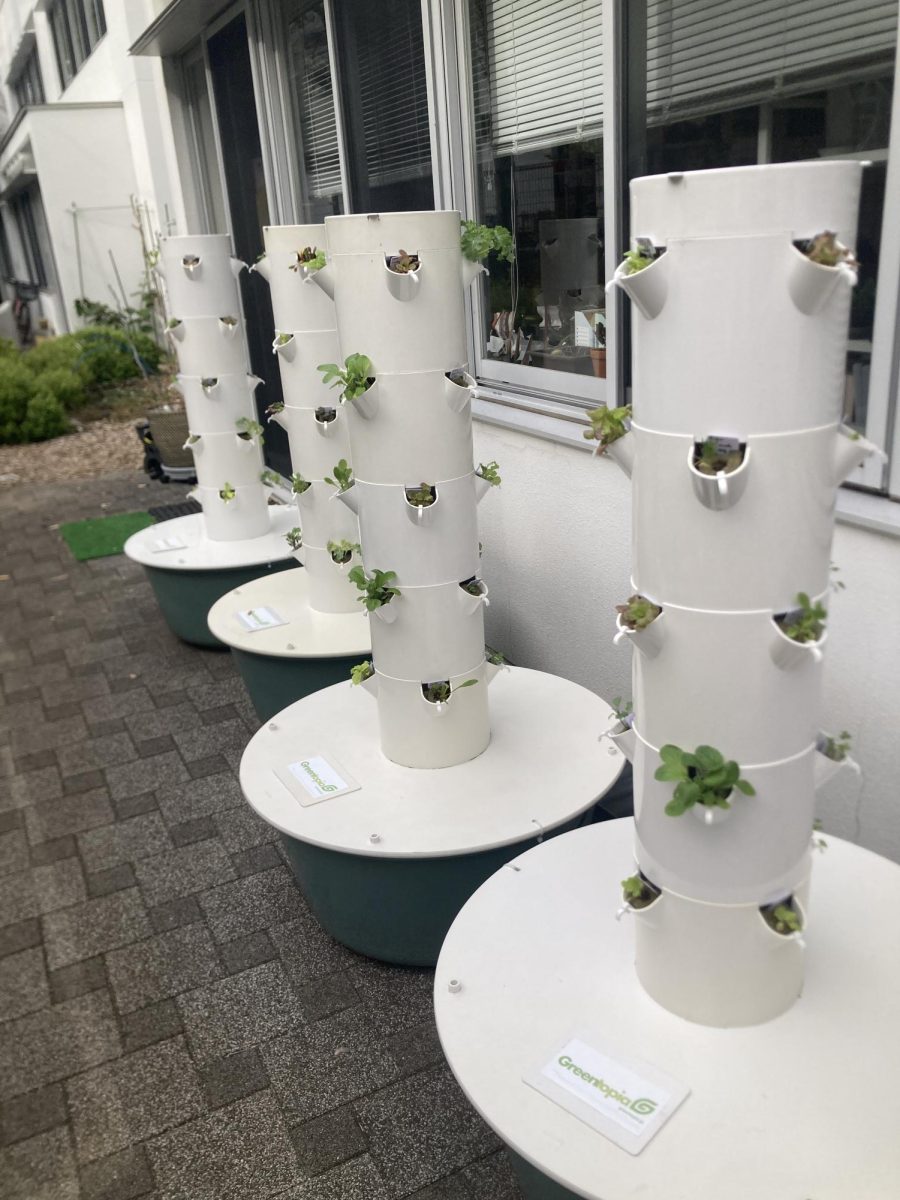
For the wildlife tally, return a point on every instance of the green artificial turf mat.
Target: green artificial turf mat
(99, 537)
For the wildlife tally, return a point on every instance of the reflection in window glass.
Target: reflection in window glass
(537, 104)
(309, 74)
(204, 164)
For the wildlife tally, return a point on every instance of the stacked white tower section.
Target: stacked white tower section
(738, 334)
(413, 429)
(316, 422)
(207, 332)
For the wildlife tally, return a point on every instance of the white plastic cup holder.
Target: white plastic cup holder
(402, 286)
(622, 910)
(287, 350)
(348, 497)
(622, 452)
(421, 514)
(789, 654)
(470, 603)
(850, 452)
(386, 613)
(648, 289)
(367, 404)
(622, 737)
(470, 271)
(795, 938)
(811, 285)
(722, 490)
(459, 394)
(176, 332)
(209, 383)
(649, 640)
(482, 487)
(710, 814)
(229, 327)
(191, 263)
(325, 427)
(825, 768)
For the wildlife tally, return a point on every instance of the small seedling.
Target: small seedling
(806, 622)
(489, 472)
(343, 476)
(272, 478)
(361, 672)
(474, 586)
(208, 381)
(376, 588)
(836, 747)
(638, 892)
(827, 251)
(298, 484)
(231, 322)
(282, 339)
(294, 538)
(711, 459)
(248, 429)
(608, 425)
(494, 657)
(704, 777)
(227, 493)
(325, 415)
(310, 259)
(637, 612)
(193, 439)
(782, 917)
(173, 323)
(354, 379)
(272, 409)
(421, 497)
(440, 691)
(342, 551)
(478, 241)
(623, 709)
(639, 257)
(402, 263)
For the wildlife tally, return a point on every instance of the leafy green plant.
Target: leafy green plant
(272, 409)
(704, 777)
(135, 320)
(835, 746)
(638, 892)
(478, 241)
(639, 257)
(783, 917)
(231, 322)
(494, 656)
(342, 551)
(67, 387)
(637, 612)
(272, 478)
(310, 259)
(343, 476)
(248, 429)
(227, 493)
(325, 415)
(608, 425)
(440, 691)
(489, 472)
(173, 322)
(282, 339)
(361, 672)
(827, 251)
(710, 459)
(806, 622)
(474, 586)
(421, 497)
(623, 709)
(354, 379)
(17, 386)
(44, 418)
(402, 263)
(294, 538)
(376, 588)
(298, 484)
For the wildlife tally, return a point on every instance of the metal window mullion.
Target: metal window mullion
(339, 117)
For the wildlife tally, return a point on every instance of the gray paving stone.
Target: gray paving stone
(358, 1179)
(323, 997)
(30, 788)
(199, 798)
(13, 851)
(183, 871)
(78, 979)
(48, 735)
(162, 722)
(40, 890)
(124, 841)
(189, 832)
(418, 1151)
(64, 691)
(162, 966)
(94, 927)
(116, 708)
(228, 1079)
(42, 854)
(156, 1023)
(70, 814)
(398, 997)
(256, 902)
(241, 1152)
(239, 1011)
(246, 952)
(96, 753)
(20, 936)
(41, 1168)
(241, 829)
(493, 1178)
(112, 879)
(160, 772)
(326, 1141)
(23, 984)
(133, 806)
(309, 953)
(33, 1113)
(451, 1187)
(56, 1042)
(175, 913)
(122, 1176)
(327, 1064)
(100, 651)
(137, 1097)
(228, 737)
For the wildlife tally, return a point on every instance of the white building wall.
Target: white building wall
(557, 549)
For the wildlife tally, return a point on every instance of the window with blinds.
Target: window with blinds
(546, 77)
(309, 71)
(703, 55)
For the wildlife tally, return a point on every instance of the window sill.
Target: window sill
(556, 422)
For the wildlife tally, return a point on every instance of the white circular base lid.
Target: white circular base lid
(200, 553)
(805, 1106)
(306, 634)
(545, 765)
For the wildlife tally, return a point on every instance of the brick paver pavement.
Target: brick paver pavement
(173, 1022)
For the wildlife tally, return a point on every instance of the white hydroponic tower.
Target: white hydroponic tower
(737, 334)
(413, 429)
(316, 423)
(207, 332)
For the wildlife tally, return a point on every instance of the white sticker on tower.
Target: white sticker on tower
(626, 1100)
(260, 618)
(313, 778)
(168, 543)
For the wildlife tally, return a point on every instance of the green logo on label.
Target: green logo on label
(317, 779)
(643, 1106)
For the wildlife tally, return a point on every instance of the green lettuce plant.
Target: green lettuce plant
(298, 484)
(310, 258)
(638, 892)
(702, 777)
(272, 478)
(248, 429)
(806, 622)
(421, 497)
(376, 588)
(608, 425)
(227, 492)
(294, 538)
(343, 476)
(342, 551)
(440, 691)
(489, 472)
(478, 241)
(637, 612)
(354, 379)
(710, 460)
(361, 672)
(783, 917)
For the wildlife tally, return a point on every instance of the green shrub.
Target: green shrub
(57, 354)
(8, 348)
(16, 389)
(107, 356)
(44, 418)
(65, 385)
